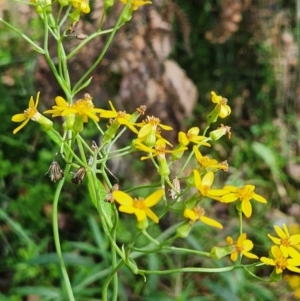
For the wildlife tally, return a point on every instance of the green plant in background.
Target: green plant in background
(150, 204)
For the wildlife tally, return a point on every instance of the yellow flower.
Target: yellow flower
(160, 151)
(224, 109)
(206, 162)
(81, 5)
(136, 3)
(294, 283)
(241, 246)
(244, 194)
(204, 185)
(192, 135)
(138, 206)
(82, 107)
(281, 261)
(31, 113)
(149, 128)
(121, 117)
(285, 240)
(198, 213)
(61, 106)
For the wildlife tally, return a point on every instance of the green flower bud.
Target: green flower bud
(108, 3)
(220, 252)
(184, 229)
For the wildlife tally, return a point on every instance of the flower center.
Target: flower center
(30, 112)
(285, 241)
(199, 211)
(152, 120)
(139, 203)
(205, 189)
(245, 193)
(122, 114)
(281, 262)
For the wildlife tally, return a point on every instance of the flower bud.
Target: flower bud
(108, 3)
(46, 123)
(219, 252)
(143, 224)
(184, 229)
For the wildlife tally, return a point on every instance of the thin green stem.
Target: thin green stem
(106, 283)
(76, 88)
(190, 269)
(33, 44)
(57, 240)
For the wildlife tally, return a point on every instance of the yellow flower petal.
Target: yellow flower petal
(18, 117)
(247, 208)
(122, 198)
(190, 214)
(210, 222)
(152, 215)
(20, 127)
(208, 179)
(154, 198)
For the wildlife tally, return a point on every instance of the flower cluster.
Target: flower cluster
(285, 253)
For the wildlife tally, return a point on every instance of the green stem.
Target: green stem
(193, 270)
(57, 240)
(106, 283)
(98, 60)
(34, 45)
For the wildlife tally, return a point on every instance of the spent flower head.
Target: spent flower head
(244, 195)
(241, 246)
(31, 113)
(284, 239)
(282, 261)
(139, 206)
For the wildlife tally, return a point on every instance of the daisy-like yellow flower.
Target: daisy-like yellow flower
(241, 246)
(61, 106)
(149, 128)
(198, 213)
(160, 151)
(204, 185)
(192, 135)
(121, 117)
(284, 239)
(31, 113)
(136, 3)
(223, 109)
(281, 261)
(139, 206)
(244, 195)
(208, 163)
(83, 108)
